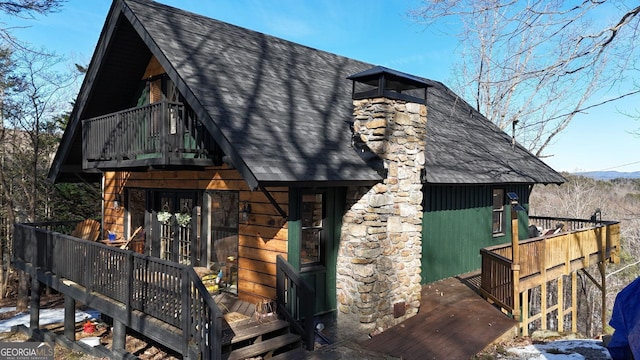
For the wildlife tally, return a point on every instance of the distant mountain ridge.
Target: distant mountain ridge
(609, 175)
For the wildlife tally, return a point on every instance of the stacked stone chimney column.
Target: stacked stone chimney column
(378, 275)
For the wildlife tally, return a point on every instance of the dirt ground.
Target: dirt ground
(143, 349)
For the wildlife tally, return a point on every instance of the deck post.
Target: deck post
(524, 324)
(119, 336)
(603, 235)
(574, 301)
(34, 321)
(560, 304)
(515, 261)
(603, 292)
(130, 288)
(69, 317)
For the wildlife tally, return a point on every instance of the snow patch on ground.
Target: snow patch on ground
(47, 316)
(561, 350)
(552, 350)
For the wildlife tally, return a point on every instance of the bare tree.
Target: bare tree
(8, 84)
(25, 9)
(39, 94)
(538, 64)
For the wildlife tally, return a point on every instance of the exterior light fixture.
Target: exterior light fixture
(513, 197)
(117, 202)
(246, 211)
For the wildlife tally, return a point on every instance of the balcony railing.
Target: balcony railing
(132, 283)
(162, 133)
(578, 244)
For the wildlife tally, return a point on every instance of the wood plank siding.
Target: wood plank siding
(260, 239)
(457, 223)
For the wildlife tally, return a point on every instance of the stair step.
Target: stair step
(252, 330)
(300, 353)
(263, 347)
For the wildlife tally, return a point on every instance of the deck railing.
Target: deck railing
(543, 258)
(159, 130)
(167, 291)
(296, 301)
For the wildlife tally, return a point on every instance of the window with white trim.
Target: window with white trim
(498, 212)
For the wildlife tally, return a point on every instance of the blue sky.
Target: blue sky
(375, 31)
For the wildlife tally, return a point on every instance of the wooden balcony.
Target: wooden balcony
(160, 134)
(544, 259)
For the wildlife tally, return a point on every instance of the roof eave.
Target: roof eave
(70, 131)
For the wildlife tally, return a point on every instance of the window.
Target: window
(136, 210)
(223, 246)
(311, 241)
(498, 212)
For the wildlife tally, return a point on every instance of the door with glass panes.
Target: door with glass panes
(178, 233)
(314, 228)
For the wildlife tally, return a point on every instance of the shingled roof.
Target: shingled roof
(463, 147)
(280, 110)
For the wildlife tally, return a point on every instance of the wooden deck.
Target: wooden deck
(454, 322)
(510, 271)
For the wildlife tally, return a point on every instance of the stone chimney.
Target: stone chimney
(379, 265)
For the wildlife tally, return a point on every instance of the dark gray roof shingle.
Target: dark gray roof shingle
(282, 110)
(463, 147)
(283, 107)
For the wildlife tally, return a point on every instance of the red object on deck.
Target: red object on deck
(89, 327)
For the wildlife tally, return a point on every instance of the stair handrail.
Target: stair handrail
(296, 301)
(38, 246)
(211, 347)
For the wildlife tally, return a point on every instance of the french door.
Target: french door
(177, 216)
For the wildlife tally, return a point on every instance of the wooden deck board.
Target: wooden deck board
(454, 322)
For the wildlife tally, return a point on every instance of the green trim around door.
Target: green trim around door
(322, 277)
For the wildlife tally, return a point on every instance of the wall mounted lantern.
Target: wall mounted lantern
(117, 202)
(246, 211)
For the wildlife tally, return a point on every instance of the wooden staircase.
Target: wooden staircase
(250, 338)
(245, 335)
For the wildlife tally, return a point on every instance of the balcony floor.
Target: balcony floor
(454, 322)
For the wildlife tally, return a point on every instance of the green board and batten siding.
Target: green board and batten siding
(457, 223)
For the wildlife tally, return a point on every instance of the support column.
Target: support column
(543, 305)
(524, 323)
(34, 322)
(603, 291)
(515, 261)
(574, 302)
(69, 318)
(119, 336)
(560, 304)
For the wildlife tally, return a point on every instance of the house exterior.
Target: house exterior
(221, 148)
